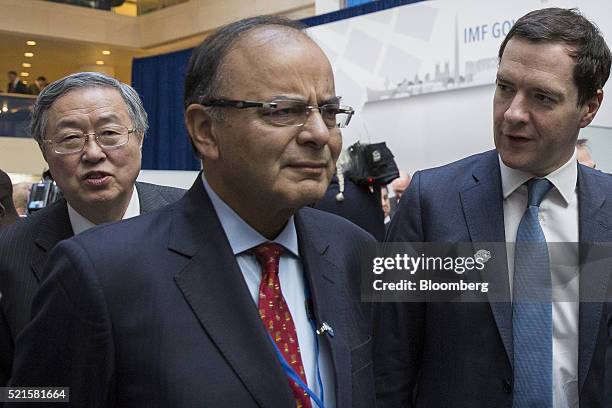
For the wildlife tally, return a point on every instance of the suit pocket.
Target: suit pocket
(361, 355)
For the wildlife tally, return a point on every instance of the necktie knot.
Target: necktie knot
(537, 190)
(268, 255)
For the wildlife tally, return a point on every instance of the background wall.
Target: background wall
(421, 76)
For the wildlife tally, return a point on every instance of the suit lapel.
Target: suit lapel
(213, 286)
(329, 302)
(149, 197)
(54, 227)
(482, 201)
(595, 264)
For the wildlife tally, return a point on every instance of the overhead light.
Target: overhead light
(28, 54)
(106, 52)
(25, 74)
(99, 62)
(25, 82)
(26, 65)
(31, 42)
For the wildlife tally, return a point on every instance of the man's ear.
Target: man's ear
(591, 107)
(199, 124)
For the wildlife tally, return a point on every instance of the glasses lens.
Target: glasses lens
(336, 115)
(112, 136)
(287, 113)
(69, 142)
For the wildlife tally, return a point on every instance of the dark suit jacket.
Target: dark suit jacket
(24, 249)
(461, 354)
(154, 312)
(360, 206)
(20, 88)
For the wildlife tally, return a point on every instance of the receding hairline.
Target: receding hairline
(263, 36)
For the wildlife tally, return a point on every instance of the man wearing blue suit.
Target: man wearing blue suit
(553, 66)
(236, 295)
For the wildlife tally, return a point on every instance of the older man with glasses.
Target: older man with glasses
(242, 296)
(90, 129)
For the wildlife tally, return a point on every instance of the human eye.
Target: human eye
(502, 86)
(544, 98)
(110, 132)
(68, 137)
(69, 140)
(330, 110)
(286, 112)
(286, 108)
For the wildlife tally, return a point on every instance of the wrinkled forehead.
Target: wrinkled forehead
(86, 105)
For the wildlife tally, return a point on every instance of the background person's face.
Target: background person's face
(535, 112)
(263, 164)
(94, 175)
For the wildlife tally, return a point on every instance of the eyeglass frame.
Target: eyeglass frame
(245, 104)
(87, 135)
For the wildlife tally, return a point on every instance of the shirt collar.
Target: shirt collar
(564, 178)
(80, 223)
(242, 236)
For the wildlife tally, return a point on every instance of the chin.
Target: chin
(304, 196)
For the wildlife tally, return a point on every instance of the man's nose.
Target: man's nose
(517, 111)
(92, 151)
(315, 131)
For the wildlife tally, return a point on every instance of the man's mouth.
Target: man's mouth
(96, 178)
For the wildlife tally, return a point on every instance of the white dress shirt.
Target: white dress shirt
(242, 237)
(558, 217)
(80, 223)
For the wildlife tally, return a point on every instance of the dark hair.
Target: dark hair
(12, 73)
(41, 78)
(582, 143)
(203, 79)
(588, 48)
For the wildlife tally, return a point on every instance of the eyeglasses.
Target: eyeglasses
(74, 141)
(287, 112)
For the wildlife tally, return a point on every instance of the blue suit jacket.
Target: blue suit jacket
(154, 312)
(461, 354)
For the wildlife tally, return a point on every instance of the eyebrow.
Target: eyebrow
(549, 91)
(500, 78)
(541, 89)
(330, 100)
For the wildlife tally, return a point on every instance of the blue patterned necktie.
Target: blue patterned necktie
(532, 307)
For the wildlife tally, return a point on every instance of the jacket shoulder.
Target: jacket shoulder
(324, 221)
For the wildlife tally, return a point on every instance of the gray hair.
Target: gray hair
(62, 86)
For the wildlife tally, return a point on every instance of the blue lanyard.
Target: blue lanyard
(290, 372)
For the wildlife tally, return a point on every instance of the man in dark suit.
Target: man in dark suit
(236, 295)
(15, 85)
(358, 204)
(492, 353)
(90, 129)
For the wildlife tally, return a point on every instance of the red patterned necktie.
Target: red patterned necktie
(276, 316)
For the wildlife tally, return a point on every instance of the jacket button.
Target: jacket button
(507, 386)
